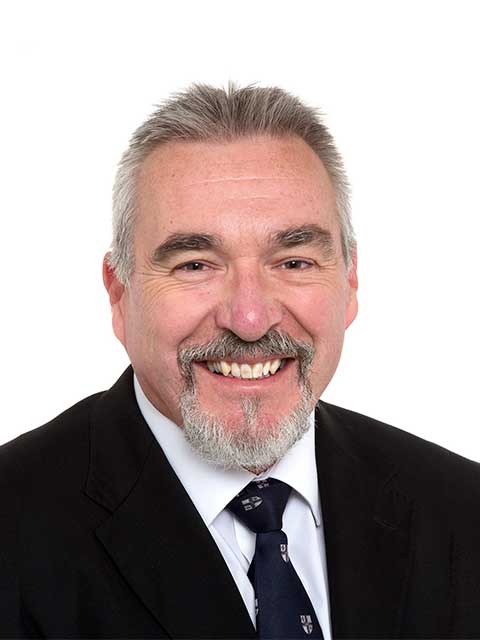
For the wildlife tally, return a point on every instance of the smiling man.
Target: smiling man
(210, 493)
(234, 314)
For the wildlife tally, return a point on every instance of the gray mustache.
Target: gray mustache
(230, 346)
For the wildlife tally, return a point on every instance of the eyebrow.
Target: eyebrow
(306, 234)
(177, 242)
(286, 238)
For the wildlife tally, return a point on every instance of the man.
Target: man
(232, 279)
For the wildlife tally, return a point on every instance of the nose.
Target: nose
(249, 306)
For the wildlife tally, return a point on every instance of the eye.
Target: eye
(296, 265)
(191, 266)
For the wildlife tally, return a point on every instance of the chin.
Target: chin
(247, 438)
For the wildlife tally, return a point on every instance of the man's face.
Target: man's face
(239, 242)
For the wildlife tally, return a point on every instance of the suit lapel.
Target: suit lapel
(154, 535)
(162, 548)
(367, 536)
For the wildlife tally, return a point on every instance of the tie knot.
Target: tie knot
(261, 504)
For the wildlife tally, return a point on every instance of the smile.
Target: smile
(246, 371)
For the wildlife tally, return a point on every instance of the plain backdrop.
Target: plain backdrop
(398, 83)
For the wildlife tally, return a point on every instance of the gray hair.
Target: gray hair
(205, 113)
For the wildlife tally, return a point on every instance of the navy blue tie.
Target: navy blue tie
(284, 609)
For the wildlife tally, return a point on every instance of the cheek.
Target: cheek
(322, 316)
(159, 324)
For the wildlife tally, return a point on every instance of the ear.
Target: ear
(352, 284)
(116, 294)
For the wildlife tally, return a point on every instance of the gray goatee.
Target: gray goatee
(251, 446)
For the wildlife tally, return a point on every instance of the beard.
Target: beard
(252, 444)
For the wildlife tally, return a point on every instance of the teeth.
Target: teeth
(226, 368)
(235, 370)
(274, 366)
(257, 370)
(246, 371)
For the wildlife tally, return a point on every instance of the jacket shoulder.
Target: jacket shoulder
(55, 446)
(421, 467)
(42, 473)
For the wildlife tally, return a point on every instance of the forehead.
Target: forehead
(251, 185)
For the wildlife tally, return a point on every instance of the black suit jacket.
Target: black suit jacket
(98, 538)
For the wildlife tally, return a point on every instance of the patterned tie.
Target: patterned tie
(283, 607)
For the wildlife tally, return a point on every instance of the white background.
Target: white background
(399, 84)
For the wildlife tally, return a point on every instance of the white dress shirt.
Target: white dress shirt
(211, 488)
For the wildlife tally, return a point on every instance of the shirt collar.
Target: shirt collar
(211, 488)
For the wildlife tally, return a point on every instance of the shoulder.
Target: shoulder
(421, 468)
(57, 447)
